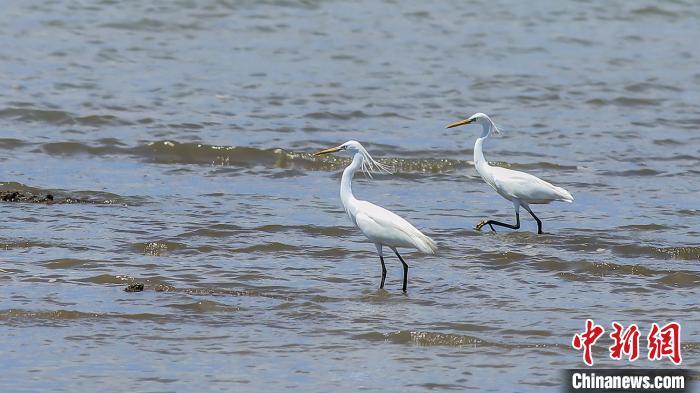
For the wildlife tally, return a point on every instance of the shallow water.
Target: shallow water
(189, 128)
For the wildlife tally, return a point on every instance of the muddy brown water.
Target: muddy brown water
(189, 126)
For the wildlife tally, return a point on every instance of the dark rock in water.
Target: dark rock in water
(17, 196)
(135, 287)
(28, 197)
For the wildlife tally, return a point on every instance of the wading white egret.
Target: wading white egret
(520, 188)
(379, 225)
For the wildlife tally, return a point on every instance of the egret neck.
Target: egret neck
(346, 196)
(482, 166)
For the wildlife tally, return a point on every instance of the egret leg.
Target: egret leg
(381, 259)
(539, 223)
(491, 223)
(405, 270)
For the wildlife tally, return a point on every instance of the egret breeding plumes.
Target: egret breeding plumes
(520, 188)
(379, 225)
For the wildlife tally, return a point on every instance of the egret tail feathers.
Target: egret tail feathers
(565, 195)
(426, 245)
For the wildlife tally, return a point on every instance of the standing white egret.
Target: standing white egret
(518, 187)
(379, 225)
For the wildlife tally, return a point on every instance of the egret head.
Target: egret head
(478, 118)
(355, 148)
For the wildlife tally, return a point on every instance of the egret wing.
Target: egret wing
(383, 226)
(526, 187)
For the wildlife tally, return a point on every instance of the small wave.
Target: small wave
(73, 148)
(625, 101)
(688, 253)
(430, 339)
(632, 172)
(105, 279)
(646, 86)
(214, 231)
(147, 24)
(14, 186)
(684, 253)
(538, 165)
(204, 307)
(588, 270)
(327, 252)
(64, 315)
(576, 41)
(173, 152)
(681, 279)
(267, 247)
(644, 227)
(351, 115)
(503, 259)
(168, 152)
(157, 248)
(308, 229)
(11, 143)
(466, 327)
(300, 4)
(673, 142)
(422, 338)
(70, 263)
(45, 314)
(425, 165)
(687, 212)
(601, 269)
(195, 153)
(653, 10)
(59, 117)
(14, 244)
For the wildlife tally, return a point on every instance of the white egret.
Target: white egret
(520, 188)
(379, 225)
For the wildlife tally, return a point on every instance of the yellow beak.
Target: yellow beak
(460, 123)
(326, 151)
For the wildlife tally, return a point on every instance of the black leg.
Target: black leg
(491, 223)
(539, 223)
(405, 270)
(383, 272)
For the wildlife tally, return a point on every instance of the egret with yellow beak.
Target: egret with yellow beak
(380, 226)
(520, 188)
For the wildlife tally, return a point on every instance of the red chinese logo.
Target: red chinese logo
(625, 343)
(665, 342)
(586, 340)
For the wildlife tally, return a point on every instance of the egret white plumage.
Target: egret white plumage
(379, 225)
(520, 188)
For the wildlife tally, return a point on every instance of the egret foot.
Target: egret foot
(491, 223)
(484, 222)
